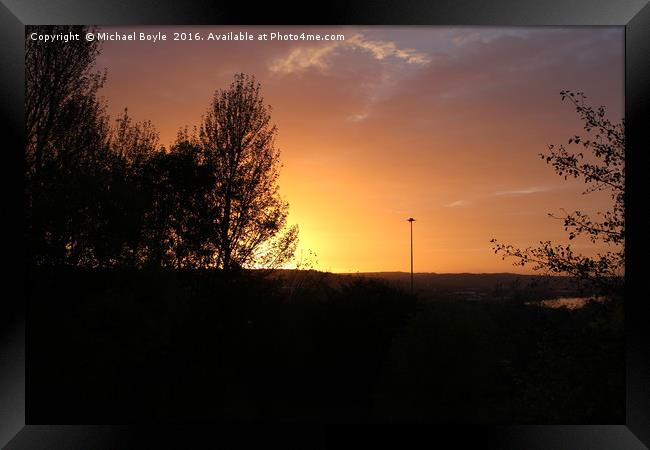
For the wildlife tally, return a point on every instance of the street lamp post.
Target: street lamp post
(411, 220)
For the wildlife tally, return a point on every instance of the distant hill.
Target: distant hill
(458, 285)
(480, 281)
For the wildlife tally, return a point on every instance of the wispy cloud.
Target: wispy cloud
(456, 204)
(358, 117)
(320, 57)
(385, 49)
(300, 59)
(526, 191)
(511, 192)
(396, 64)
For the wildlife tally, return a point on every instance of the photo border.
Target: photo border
(634, 15)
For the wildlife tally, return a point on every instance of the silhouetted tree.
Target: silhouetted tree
(85, 179)
(237, 140)
(66, 145)
(602, 169)
(62, 113)
(102, 196)
(179, 221)
(128, 196)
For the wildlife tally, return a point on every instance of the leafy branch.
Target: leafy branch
(600, 163)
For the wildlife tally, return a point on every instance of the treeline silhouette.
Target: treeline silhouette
(109, 195)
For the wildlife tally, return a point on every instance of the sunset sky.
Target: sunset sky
(441, 124)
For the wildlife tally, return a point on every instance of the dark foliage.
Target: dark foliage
(184, 345)
(191, 345)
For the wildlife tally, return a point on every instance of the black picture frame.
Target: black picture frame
(634, 15)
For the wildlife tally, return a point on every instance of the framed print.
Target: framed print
(427, 218)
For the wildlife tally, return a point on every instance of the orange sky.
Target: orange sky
(441, 124)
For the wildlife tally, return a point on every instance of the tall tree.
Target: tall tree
(66, 145)
(600, 163)
(238, 141)
(128, 196)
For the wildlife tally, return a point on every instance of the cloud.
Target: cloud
(384, 49)
(495, 74)
(301, 59)
(456, 204)
(358, 117)
(526, 191)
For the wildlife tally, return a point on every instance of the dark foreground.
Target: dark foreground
(125, 347)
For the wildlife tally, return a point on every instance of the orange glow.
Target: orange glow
(441, 124)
